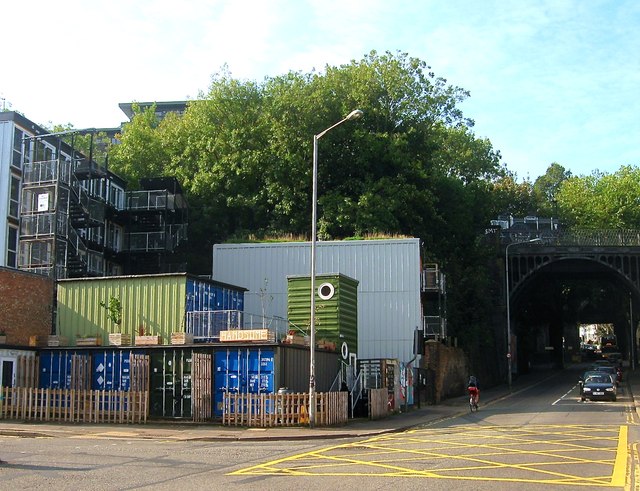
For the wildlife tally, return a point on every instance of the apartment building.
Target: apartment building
(65, 215)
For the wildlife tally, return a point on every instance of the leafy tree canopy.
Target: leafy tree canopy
(243, 153)
(602, 200)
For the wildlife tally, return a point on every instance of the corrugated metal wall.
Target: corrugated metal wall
(206, 296)
(336, 317)
(293, 368)
(388, 272)
(156, 302)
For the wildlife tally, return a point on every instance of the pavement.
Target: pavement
(359, 427)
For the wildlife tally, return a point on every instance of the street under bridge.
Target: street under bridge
(555, 282)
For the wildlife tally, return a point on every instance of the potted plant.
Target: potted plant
(143, 339)
(3, 336)
(114, 313)
(182, 337)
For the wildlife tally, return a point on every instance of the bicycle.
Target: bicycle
(473, 398)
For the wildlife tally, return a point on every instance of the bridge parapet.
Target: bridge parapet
(577, 237)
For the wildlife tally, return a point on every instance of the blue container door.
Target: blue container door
(56, 370)
(242, 371)
(111, 370)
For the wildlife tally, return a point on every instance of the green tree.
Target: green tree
(141, 152)
(602, 200)
(546, 188)
(412, 166)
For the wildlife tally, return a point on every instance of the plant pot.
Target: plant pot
(148, 340)
(119, 339)
(89, 341)
(54, 341)
(181, 338)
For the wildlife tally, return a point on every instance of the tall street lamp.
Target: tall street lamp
(312, 338)
(508, 302)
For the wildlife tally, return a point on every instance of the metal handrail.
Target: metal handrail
(356, 391)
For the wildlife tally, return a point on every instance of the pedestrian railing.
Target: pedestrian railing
(269, 410)
(74, 405)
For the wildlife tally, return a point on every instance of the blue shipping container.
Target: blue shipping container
(111, 370)
(244, 371)
(56, 368)
(205, 296)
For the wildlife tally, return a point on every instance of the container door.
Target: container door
(7, 372)
(171, 384)
(227, 377)
(56, 369)
(111, 370)
(242, 371)
(157, 398)
(182, 385)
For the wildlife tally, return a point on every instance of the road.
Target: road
(537, 439)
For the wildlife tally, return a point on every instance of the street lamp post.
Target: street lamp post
(312, 338)
(508, 302)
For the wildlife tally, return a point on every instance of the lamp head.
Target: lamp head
(355, 114)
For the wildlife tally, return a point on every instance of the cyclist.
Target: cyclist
(474, 389)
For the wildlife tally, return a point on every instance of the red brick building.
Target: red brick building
(26, 306)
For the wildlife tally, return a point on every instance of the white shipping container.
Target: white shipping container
(388, 272)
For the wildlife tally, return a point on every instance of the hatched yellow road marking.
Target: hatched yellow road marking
(577, 455)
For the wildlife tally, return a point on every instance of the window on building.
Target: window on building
(14, 196)
(18, 146)
(114, 237)
(12, 246)
(43, 152)
(116, 196)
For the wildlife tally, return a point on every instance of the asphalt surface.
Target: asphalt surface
(180, 431)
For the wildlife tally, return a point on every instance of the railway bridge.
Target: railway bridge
(556, 281)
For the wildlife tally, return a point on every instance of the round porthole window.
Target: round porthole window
(326, 291)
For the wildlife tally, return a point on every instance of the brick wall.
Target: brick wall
(448, 371)
(26, 302)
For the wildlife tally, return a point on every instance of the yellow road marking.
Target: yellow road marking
(620, 467)
(405, 455)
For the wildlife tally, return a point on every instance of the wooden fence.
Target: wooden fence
(267, 410)
(27, 369)
(378, 403)
(201, 387)
(77, 404)
(74, 405)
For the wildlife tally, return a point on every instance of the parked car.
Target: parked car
(598, 386)
(589, 373)
(614, 358)
(615, 372)
(603, 362)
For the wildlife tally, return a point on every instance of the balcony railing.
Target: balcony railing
(433, 280)
(46, 171)
(435, 327)
(150, 200)
(206, 325)
(157, 241)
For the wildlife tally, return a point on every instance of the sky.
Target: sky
(549, 80)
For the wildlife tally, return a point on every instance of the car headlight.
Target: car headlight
(587, 389)
(609, 389)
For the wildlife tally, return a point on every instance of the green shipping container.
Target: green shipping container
(336, 308)
(156, 304)
(153, 303)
